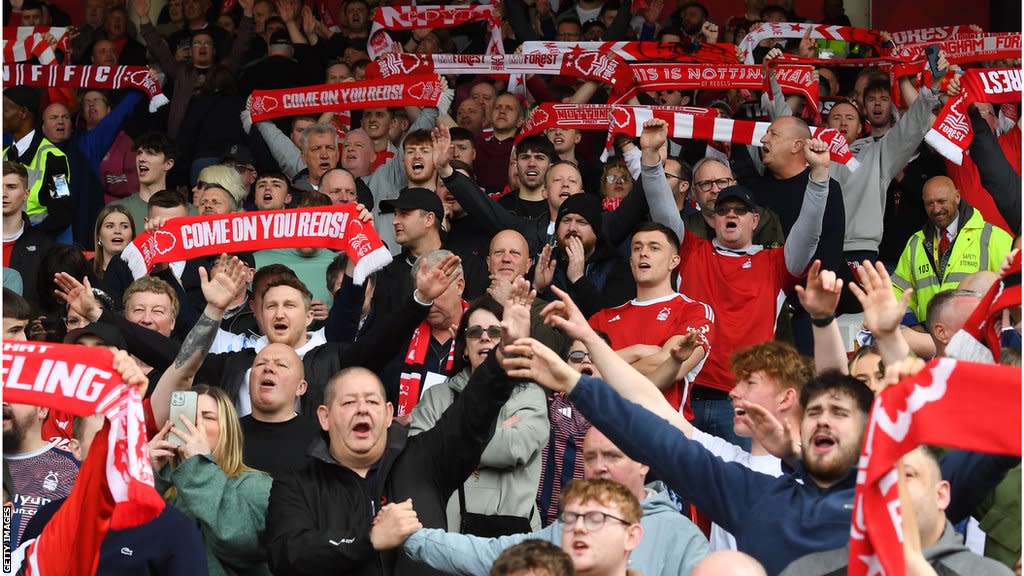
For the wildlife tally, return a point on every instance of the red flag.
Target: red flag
(985, 399)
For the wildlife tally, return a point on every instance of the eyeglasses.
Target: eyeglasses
(593, 520)
(738, 210)
(705, 185)
(477, 332)
(578, 356)
(202, 43)
(612, 179)
(671, 175)
(243, 168)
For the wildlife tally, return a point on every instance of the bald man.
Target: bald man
(728, 563)
(955, 242)
(276, 438)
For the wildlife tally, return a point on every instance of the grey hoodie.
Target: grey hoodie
(671, 544)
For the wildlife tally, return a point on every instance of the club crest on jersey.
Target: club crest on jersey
(664, 314)
(747, 264)
(51, 481)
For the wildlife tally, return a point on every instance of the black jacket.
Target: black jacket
(28, 252)
(373, 351)
(395, 285)
(318, 519)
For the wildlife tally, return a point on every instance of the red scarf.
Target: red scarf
(335, 227)
(984, 399)
(704, 124)
(81, 380)
(967, 49)
(951, 133)
(416, 17)
(683, 76)
(411, 380)
(766, 30)
(978, 340)
(418, 90)
(21, 43)
(640, 51)
(99, 77)
(604, 67)
(928, 35)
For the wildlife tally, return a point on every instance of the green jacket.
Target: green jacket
(999, 516)
(977, 246)
(231, 512)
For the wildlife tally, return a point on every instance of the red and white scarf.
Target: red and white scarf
(604, 67)
(81, 380)
(96, 77)
(967, 49)
(985, 402)
(951, 133)
(793, 79)
(335, 227)
(978, 340)
(410, 382)
(417, 17)
(632, 51)
(766, 30)
(704, 124)
(417, 90)
(930, 35)
(22, 43)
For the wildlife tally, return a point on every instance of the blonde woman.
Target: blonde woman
(114, 231)
(209, 483)
(219, 176)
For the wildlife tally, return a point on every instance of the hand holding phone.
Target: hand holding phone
(182, 402)
(932, 52)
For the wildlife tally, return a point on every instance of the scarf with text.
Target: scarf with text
(81, 380)
(430, 17)
(649, 77)
(417, 90)
(22, 43)
(951, 133)
(936, 34)
(704, 124)
(766, 30)
(95, 77)
(410, 383)
(632, 51)
(334, 227)
(978, 340)
(603, 67)
(966, 49)
(985, 401)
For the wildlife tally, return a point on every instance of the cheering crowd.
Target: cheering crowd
(664, 313)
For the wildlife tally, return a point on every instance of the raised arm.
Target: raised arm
(463, 554)
(806, 231)
(243, 36)
(154, 42)
(476, 203)
(652, 173)
(997, 175)
(882, 311)
(284, 151)
(820, 298)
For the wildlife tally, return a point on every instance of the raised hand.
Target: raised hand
(776, 437)
(528, 359)
(156, 223)
(709, 30)
(899, 370)
(320, 310)
(821, 296)
(577, 257)
(544, 273)
(130, 372)
(433, 281)
(393, 524)
(228, 282)
(882, 312)
(807, 47)
(441, 138)
(654, 135)
(566, 316)
(141, 8)
(515, 322)
(78, 296)
(816, 154)
(772, 54)
(162, 450)
(195, 441)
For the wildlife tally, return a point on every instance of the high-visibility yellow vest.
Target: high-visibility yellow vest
(36, 170)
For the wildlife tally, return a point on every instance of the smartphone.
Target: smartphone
(932, 52)
(182, 402)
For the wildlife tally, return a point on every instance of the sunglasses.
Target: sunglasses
(612, 179)
(578, 356)
(477, 332)
(738, 210)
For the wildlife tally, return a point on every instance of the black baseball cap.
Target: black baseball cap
(108, 333)
(413, 199)
(741, 193)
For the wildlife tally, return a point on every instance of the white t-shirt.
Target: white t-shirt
(766, 464)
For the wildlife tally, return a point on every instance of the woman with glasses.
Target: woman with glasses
(616, 184)
(499, 496)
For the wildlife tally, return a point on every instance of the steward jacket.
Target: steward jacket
(977, 245)
(49, 183)
(319, 517)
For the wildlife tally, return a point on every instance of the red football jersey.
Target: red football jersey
(654, 322)
(747, 293)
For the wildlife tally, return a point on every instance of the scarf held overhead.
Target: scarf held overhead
(333, 227)
(81, 380)
(22, 43)
(918, 411)
(632, 51)
(416, 90)
(684, 76)
(430, 17)
(951, 133)
(702, 124)
(766, 30)
(98, 77)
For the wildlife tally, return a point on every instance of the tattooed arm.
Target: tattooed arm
(227, 282)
